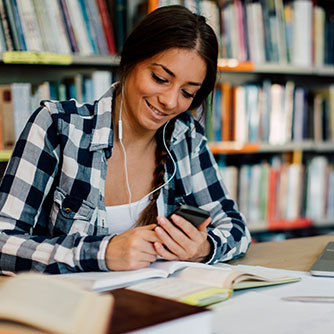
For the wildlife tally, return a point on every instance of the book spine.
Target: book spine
(95, 17)
(107, 26)
(68, 26)
(29, 25)
(18, 24)
(5, 27)
(79, 28)
(89, 26)
(11, 20)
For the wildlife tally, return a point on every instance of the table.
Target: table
(262, 310)
(292, 254)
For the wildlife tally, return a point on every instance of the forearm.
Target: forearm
(63, 254)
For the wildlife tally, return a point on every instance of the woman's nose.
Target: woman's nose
(168, 98)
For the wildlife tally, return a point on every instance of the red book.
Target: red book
(107, 26)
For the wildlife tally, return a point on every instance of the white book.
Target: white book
(276, 133)
(254, 194)
(302, 33)
(319, 36)
(21, 106)
(298, 114)
(30, 27)
(315, 208)
(288, 111)
(101, 82)
(230, 178)
(58, 25)
(241, 119)
(331, 111)
(330, 193)
(79, 27)
(209, 10)
(294, 185)
(244, 177)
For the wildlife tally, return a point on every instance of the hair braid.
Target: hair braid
(149, 214)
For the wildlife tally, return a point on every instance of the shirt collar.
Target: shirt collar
(102, 137)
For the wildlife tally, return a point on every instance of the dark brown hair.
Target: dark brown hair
(165, 28)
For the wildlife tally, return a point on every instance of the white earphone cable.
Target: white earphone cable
(120, 137)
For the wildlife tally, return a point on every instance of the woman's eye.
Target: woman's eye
(187, 95)
(158, 79)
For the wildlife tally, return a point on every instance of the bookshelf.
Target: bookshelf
(237, 66)
(280, 51)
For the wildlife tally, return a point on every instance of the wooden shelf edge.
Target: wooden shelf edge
(289, 224)
(233, 147)
(5, 155)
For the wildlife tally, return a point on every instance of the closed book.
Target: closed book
(3, 46)
(226, 111)
(5, 27)
(30, 27)
(121, 22)
(89, 26)
(21, 106)
(96, 22)
(107, 26)
(8, 6)
(7, 117)
(240, 118)
(79, 27)
(18, 24)
(58, 27)
(137, 312)
(319, 36)
(302, 33)
(41, 9)
(68, 26)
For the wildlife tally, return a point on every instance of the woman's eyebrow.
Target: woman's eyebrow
(173, 75)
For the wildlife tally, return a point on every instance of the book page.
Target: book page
(184, 291)
(103, 281)
(53, 305)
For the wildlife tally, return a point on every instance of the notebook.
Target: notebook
(324, 264)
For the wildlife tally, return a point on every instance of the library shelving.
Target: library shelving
(310, 74)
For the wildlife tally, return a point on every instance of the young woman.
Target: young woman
(89, 187)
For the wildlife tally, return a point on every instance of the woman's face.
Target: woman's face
(162, 87)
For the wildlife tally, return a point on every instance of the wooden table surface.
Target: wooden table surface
(292, 254)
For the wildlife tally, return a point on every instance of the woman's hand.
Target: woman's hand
(132, 249)
(186, 243)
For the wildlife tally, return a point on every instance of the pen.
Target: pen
(310, 299)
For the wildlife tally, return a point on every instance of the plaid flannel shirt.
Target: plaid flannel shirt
(52, 210)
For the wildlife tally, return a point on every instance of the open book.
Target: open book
(206, 286)
(36, 303)
(191, 282)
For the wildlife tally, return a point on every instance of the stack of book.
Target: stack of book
(281, 195)
(272, 113)
(59, 26)
(274, 31)
(19, 100)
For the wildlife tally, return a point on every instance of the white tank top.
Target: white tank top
(121, 218)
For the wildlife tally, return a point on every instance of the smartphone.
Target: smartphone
(194, 215)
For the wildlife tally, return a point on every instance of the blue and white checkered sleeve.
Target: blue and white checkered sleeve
(228, 233)
(28, 179)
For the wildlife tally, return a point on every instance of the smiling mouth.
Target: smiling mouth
(156, 111)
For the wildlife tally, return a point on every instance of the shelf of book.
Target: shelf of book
(241, 148)
(45, 58)
(278, 225)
